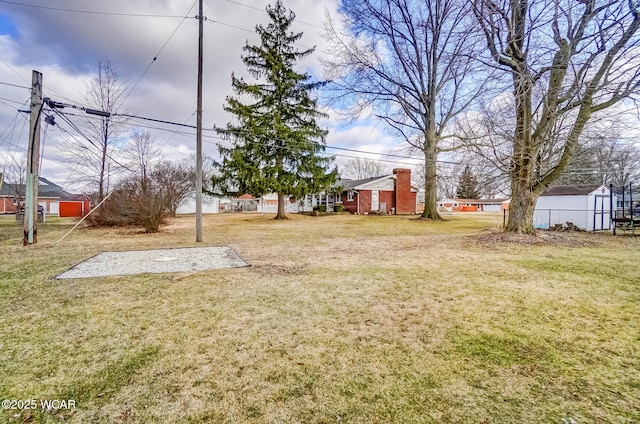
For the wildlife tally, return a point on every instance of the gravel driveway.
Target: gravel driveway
(156, 261)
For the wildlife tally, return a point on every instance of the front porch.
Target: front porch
(327, 199)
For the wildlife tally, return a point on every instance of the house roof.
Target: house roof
(347, 184)
(45, 189)
(571, 190)
(350, 184)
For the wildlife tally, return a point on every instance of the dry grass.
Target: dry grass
(341, 319)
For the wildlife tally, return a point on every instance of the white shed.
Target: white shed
(587, 206)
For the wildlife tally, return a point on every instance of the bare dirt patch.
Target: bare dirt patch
(496, 237)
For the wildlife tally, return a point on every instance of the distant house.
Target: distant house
(243, 203)
(473, 205)
(628, 197)
(385, 194)
(587, 206)
(53, 198)
(392, 193)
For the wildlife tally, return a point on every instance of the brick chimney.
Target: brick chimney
(405, 199)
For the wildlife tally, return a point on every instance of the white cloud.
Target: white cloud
(65, 46)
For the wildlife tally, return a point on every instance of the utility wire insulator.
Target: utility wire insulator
(53, 105)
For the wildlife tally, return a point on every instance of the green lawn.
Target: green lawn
(340, 319)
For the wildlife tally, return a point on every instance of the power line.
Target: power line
(160, 51)
(213, 21)
(14, 85)
(163, 144)
(79, 131)
(15, 120)
(13, 101)
(14, 71)
(90, 12)
(77, 164)
(162, 121)
(264, 11)
(9, 137)
(376, 160)
(325, 153)
(365, 152)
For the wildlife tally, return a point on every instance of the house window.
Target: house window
(350, 196)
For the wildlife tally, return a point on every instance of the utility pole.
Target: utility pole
(33, 163)
(199, 132)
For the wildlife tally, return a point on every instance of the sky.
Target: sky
(64, 39)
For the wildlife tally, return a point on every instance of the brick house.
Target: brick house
(386, 194)
(53, 199)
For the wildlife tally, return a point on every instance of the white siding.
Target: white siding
(583, 211)
(387, 184)
(209, 205)
(492, 208)
(54, 208)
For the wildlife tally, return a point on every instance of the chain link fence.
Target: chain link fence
(585, 219)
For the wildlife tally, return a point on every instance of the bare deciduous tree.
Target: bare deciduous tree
(619, 162)
(412, 63)
(176, 180)
(604, 156)
(143, 153)
(97, 158)
(16, 176)
(447, 184)
(566, 62)
(361, 168)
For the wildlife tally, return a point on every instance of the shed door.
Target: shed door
(601, 213)
(375, 200)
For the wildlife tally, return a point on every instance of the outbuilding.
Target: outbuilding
(587, 206)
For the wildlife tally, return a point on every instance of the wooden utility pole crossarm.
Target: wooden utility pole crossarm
(33, 163)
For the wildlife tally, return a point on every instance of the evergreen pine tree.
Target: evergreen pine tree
(467, 185)
(275, 138)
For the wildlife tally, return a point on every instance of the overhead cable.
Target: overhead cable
(90, 12)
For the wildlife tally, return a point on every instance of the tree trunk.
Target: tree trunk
(281, 214)
(523, 203)
(430, 184)
(525, 158)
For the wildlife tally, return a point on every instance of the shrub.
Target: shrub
(322, 208)
(132, 203)
(338, 208)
